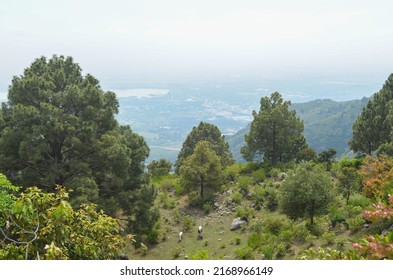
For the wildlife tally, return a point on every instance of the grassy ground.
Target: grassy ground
(218, 239)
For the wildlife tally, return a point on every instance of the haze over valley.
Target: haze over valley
(165, 114)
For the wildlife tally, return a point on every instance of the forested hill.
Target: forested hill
(327, 124)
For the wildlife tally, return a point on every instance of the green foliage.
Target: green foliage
(258, 176)
(46, 225)
(275, 225)
(271, 197)
(245, 253)
(373, 126)
(255, 240)
(356, 223)
(237, 241)
(232, 172)
(327, 158)
(176, 252)
(202, 169)
(188, 222)
(329, 237)
(306, 154)
(276, 133)
(300, 232)
(207, 207)
(59, 128)
(176, 214)
(327, 123)
(244, 182)
(200, 255)
(244, 212)
(322, 254)
(306, 191)
(353, 162)
(159, 168)
(205, 132)
(7, 196)
(237, 197)
(249, 167)
(144, 217)
(359, 200)
(166, 184)
(258, 196)
(166, 201)
(349, 182)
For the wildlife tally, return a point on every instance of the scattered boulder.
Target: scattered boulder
(245, 194)
(237, 223)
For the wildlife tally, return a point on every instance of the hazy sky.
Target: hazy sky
(125, 41)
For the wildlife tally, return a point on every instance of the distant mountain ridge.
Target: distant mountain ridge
(327, 124)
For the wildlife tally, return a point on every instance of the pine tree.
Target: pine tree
(373, 127)
(276, 133)
(202, 169)
(205, 132)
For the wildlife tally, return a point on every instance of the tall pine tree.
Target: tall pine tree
(373, 127)
(276, 133)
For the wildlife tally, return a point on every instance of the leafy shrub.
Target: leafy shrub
(268, 251)
(232, 172)
(359, 200)
(201, 255)
(336, 215)
(207, 207)
(245, 253)
(286, 235)
(195, 200)
(256, 240)
(274, 172)
(166, 184)
(166, 201)
(237, 197)
(258, 226)
(271, 196)
(329, 237)
(244, 212)
(281, 249)
(258, 196)
(315, 229)
(248, 167)
(275, 225)
(176, 214)
(238, 240)
(300, 232)
(244, 182)
(179, 189)
(321, 254)
(188, 222)
(176, 252)
(356, 223)
(258, 176)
